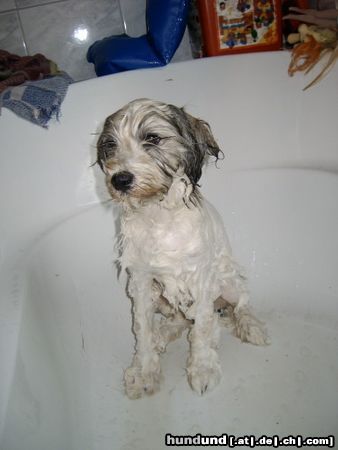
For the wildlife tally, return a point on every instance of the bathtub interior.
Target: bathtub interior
(76, 334)
(65, 323)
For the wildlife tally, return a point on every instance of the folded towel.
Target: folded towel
(37, 101)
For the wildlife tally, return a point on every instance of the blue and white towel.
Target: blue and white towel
(37, 101)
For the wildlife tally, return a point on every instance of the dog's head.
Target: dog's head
(146, 144)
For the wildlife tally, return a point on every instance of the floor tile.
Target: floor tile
(134, 16)
(63, 31)
(6, 5)
(11, 38)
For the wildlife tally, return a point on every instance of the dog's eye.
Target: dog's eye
(107, 147)
(153, 139)
(108, 144)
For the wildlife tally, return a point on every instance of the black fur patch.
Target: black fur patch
(197, 139)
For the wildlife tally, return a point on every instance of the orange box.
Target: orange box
(240, 26)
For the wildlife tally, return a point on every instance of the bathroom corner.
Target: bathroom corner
(62, 30)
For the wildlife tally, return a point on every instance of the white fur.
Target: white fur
(179, 263)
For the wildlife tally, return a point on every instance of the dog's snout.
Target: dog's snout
(122, 181)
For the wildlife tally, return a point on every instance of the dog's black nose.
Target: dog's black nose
(122, 181)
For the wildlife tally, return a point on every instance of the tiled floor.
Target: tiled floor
(63, 30)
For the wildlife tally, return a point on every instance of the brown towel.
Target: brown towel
(15, 70)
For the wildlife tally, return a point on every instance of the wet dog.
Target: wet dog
(172, 244)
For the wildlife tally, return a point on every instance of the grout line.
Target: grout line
(21, 29)
(122, 17)
(5, 11)
(19, 8)
(53, 2)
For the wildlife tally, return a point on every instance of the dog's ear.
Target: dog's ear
(203, 136)
(198, 139)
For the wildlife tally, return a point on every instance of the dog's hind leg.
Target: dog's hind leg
(236, 303)
(169, 329)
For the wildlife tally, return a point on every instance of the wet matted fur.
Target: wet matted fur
(172, 243)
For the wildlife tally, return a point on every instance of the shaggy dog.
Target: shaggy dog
(172, 244)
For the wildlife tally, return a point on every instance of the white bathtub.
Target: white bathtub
(65, 323)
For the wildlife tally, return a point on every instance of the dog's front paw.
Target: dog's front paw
(249, 329)
(204, 375)
(139, 383)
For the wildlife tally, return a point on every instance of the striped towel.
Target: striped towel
(37, 101)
